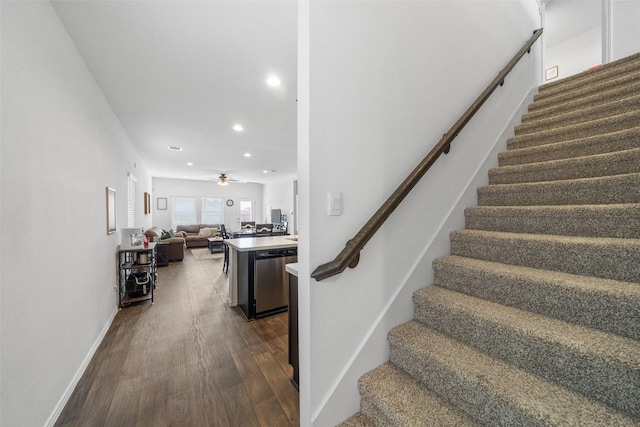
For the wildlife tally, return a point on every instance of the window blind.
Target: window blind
(131, 200)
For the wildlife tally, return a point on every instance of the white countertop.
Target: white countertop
(246, 244)
(126, 247)
(292, 268)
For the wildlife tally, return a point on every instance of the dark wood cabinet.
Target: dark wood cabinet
(294, 359)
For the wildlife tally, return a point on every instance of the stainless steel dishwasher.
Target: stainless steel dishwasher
(271, 285)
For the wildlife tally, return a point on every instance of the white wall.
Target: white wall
(596, 35)
(573, 36)
(163, 187)
(61, 147)
(278, 194)
(379, 84)
(625, 31)
(575, 54)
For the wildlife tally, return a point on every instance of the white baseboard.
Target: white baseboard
(76, 378)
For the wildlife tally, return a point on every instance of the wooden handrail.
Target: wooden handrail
(350, 255)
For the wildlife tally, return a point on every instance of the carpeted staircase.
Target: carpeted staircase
(534, 318)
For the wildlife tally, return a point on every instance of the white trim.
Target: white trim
(76, 378)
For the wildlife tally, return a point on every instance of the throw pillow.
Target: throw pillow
(205, 232)
(167, 234)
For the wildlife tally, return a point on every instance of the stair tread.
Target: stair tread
(590, 166)
(631, 244)
(406, 402)
(605, 304)
(482, 379)
(614, 189)
(580, 130)
(597, 286)
(606, 257)
(614, 220)
(589, 284)
(620, 350)
(597, 144)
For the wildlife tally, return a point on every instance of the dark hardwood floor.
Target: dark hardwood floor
(187, 360)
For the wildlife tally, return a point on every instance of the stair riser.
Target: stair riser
(606, 381)
(608, 190)
(582, 90)
(620, 163)
(601, 144)
(620, 221)
(376, 416)
(606, 258)
(581, 130)
(572, 117)
(608, 71)
(609, 312)
(582, 103)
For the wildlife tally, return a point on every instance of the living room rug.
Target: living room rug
(204, 253)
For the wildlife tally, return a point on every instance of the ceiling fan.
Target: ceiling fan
(224, 179)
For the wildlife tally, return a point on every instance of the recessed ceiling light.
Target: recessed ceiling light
(189, 164)
(265, 171)
(238, 128)
(247, 154)
(274, 81)
(175, 148)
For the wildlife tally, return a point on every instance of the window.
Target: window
(183, 211)
(131, 201)
(211, 212)
(246, 210)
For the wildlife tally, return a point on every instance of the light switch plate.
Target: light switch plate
(335, 204)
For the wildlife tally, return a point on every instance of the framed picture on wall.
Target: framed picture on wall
(551, 73)
(111, 210)
(162, 203)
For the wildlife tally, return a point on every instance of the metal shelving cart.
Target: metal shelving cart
(137, 273)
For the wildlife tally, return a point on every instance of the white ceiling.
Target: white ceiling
(182, 73)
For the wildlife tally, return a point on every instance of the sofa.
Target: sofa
(195, 235)
(175, 245)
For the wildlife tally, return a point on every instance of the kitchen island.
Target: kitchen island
(258, 283)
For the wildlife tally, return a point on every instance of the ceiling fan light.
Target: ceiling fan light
(223, 179)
